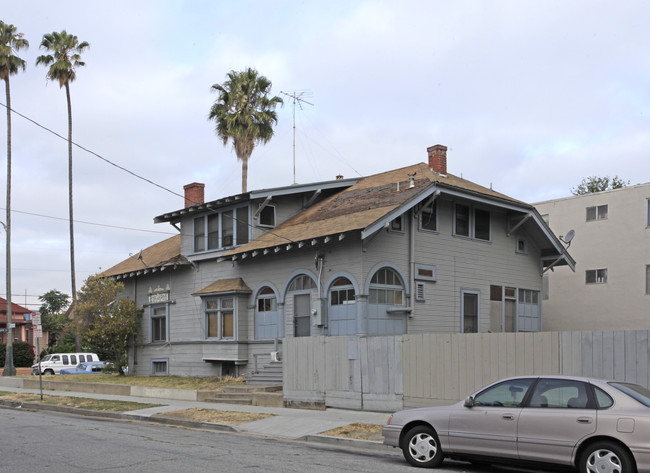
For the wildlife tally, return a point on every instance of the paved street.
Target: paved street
(53, 442)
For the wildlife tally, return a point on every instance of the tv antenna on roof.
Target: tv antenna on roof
(297, 99)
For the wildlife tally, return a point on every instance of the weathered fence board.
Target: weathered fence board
(384, 373)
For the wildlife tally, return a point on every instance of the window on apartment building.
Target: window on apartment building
(342, 292)
(159, 367)
(470, 311)
(213, 231)
(429, 217)
(397, 225)
(647, 279)
(267, 216)
(596, 276)
(471, 222)
(227, 229)
(461, 220)
(199, 234)
(301, 282)
(158, 323)
(266, 315)
(220, 318)
(522, 245)
(598, 212)
(221, 229)
(241, 219)
(481, 224)
(648, 221)
(386, 288)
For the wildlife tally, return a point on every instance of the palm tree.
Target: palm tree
(65, 57)
(245, 113)
(10, 43)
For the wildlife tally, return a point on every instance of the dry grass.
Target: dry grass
(179, 382)
(358, 431)
(219, 417)
(80, 402)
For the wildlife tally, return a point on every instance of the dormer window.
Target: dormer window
(220, 230)
(471, 222)
(267, 216)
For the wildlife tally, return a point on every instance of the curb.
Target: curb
(346, 442)
(159, 419)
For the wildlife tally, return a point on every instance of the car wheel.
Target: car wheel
(48, 372)
(605, 457)
(421, 447)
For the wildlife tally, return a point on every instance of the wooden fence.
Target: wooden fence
(388, 373)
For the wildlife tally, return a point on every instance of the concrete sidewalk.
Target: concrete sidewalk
(288, 423)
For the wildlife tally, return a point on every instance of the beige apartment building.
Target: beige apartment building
(610, 288)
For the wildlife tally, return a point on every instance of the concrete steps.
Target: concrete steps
(250, 395)
(269, 375)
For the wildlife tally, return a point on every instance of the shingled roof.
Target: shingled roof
(157, 257)
(359, 206)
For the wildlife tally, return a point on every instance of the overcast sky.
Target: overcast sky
(529, 96)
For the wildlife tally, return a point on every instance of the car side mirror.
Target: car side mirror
(469, 401)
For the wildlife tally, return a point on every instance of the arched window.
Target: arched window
(386, 288)
(301, 283)
(300, 304)
(266, 301)
(342, 308)
(342, 292)
(266, 314)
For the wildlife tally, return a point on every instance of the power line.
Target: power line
(137, 175)
(92, 152)
(89, 223)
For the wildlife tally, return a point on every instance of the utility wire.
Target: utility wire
(125, 170)
(90, 223)
(49, 130)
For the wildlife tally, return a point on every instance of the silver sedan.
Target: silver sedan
(597, 426)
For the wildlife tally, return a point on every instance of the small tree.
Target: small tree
(594, 184)
(53, 307)
(106, 320)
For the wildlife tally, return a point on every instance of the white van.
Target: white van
(52, 364)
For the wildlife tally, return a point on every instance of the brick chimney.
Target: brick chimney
(194, 194)
(438, 159)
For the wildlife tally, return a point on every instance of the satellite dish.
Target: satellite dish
(568, 237)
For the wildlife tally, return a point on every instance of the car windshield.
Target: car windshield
(81, 366)
(46, 358)
(635, 391)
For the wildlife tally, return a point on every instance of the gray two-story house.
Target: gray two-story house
(410, 250)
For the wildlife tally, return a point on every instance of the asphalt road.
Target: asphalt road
(46, 441)
(52, 442)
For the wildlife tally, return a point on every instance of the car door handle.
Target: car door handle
(508, 417)
(584, 420)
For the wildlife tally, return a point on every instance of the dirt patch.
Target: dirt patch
(216, 416)
(80, 402)
(358, 431)
(178, 382)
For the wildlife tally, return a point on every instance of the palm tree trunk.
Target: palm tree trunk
(77, 340)
(244, 175)
(9, 369)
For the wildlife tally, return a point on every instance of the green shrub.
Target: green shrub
(23, 354)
